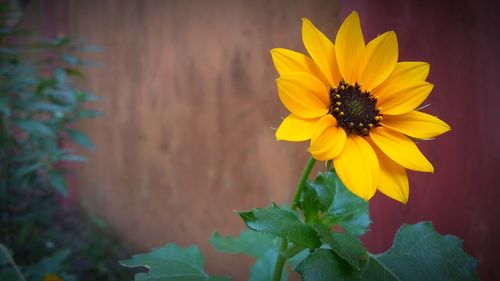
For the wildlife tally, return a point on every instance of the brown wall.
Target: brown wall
(191, 102)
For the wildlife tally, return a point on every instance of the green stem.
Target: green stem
(284, 254)
(11, 261)
(302, 182)
(292, 251)
(280, 262)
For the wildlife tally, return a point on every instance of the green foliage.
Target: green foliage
(249, 243)
(171, 263)
(40, 104)
(346, 246)
(325, 265)
(264, 247)
(282, 223)
(328, 201)
(418, 253)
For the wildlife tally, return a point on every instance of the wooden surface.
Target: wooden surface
(190, 101)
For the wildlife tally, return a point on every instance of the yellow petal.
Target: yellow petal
(287, 61)
(349, 45)
(378, 60)
(327, 139)
(405, 99)
(404, 72)
(321, 49)
(303, 94)
(416, 124)
(294, 128)
(392, 180)
(400, 149)
(357, 167)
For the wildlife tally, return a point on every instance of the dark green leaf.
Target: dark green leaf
(37, 128)
(75, 73)
(49, 107)
(9, 274)
(81, 138)
(249, 242)
(348, 210)
(346, 246)
(73, 158)
(420, 253)
(70, 59)
(89, 114)
(309, 204)
(325, 265)
(324, 185)
(60, 75)
(263, 269)
(52, 264)
(170, 263)
(282, 223)
(58, 181)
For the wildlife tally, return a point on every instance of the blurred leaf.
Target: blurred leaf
(81, 138)
(75, 73)
(170, 263)
(8, 274)
(89, 114)
(249, 242)
(29, 168)
(47, 106)
(263, 269)
(73, 158)
(348, 210)
(60, 75)
(70, 59)
(420, 253)
(282, 223)
(58, 181)
(37, 128)
(52, 264)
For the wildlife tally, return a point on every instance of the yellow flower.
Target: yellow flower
(358, 106)
(52, 277)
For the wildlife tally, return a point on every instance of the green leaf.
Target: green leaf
(171, 263)
(37, 128)
(346, 246)
(81, 138)
(317, 196)
(58, 181)
(309, 204)
(52, 264)
(73, 158)
(263, 269)
(420, 253)
(348, 210)
(282, 223)
(325, 265)
(249, 242)
(89, 114)
(324, 185)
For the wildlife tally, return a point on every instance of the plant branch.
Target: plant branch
(280, 262)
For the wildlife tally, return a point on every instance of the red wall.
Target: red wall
(461, 41)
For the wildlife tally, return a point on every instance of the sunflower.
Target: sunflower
(358, 107)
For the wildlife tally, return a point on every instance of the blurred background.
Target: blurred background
(190, 110)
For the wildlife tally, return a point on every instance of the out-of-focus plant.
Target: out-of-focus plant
(40, 103)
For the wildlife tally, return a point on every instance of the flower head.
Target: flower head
(358, 106)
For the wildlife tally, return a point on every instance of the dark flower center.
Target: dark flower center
(355, 110)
